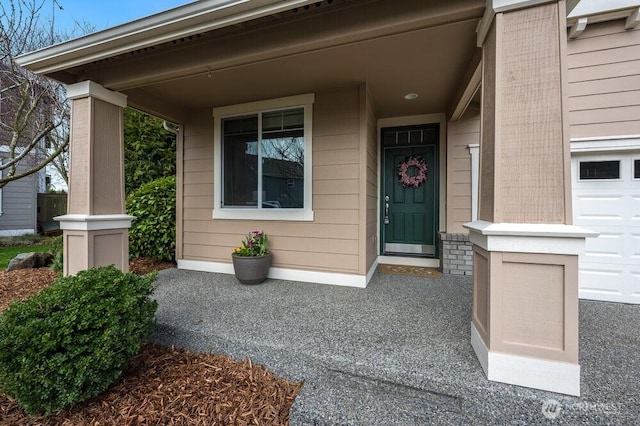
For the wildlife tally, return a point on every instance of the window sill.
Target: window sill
(293, 215)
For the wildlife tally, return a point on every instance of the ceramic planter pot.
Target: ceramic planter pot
(251, 269)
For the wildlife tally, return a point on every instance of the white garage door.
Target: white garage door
(606, 199)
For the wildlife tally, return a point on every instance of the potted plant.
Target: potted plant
(252, 260)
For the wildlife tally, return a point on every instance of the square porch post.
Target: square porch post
(525, 298)
(95, 229)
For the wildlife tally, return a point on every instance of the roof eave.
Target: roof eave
(183, 21)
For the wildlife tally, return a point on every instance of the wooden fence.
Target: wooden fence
(50, 206)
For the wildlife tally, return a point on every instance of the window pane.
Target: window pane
(240, 152)
(288, 119)
(283, 169)
(636, 169)
(592, 170)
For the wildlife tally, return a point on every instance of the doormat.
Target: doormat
(419, 271)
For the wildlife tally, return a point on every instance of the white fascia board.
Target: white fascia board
(547, 238)
(591, 7)
(193, 18)
(628, 10)
(506, 5)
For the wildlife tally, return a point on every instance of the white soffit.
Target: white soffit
(193, 18)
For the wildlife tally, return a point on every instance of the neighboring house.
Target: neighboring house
(18, 206)
(359, 132)
(18, 199)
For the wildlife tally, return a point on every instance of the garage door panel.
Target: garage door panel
(597, 282)
(605, 210)
(635, 286)
(606, 245)
(610, 267)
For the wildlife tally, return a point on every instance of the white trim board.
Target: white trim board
(606, 143)
(345, 280)
(537, 373)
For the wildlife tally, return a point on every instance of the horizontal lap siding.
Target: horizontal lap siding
(460, 135)
(330, 242)
(19, 204)
(604, 81)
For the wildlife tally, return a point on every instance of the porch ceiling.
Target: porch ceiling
(429, 62)
(396, 48)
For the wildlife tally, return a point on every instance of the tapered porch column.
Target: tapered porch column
(95, 229)
(525, 303)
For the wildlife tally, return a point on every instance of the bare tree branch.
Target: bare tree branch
(34, 113)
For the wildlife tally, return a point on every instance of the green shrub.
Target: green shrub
(72, 340)
(153, 232)
(57, 251)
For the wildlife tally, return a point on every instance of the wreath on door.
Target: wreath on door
(420, 172)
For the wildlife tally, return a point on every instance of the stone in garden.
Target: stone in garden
(30, 260)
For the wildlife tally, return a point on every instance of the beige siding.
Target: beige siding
(604, 81)
(329, 243)
(460, 134)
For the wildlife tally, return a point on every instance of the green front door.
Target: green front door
(410, 208)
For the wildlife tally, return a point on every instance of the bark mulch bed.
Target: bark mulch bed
(163, 386)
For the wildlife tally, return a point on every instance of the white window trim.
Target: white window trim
(240, 213)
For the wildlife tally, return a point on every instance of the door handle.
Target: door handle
(386, 209)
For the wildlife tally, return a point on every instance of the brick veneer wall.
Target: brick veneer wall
(457, 254)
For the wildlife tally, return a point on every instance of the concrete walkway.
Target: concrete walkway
(396, 353)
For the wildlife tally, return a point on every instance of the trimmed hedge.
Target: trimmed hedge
(153, 232)
(72, 340)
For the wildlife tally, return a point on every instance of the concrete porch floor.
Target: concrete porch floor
(396, 353)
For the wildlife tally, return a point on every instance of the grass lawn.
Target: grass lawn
(8, 253)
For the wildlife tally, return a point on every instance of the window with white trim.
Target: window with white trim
(263, 160)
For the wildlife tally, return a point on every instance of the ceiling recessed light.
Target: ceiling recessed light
(410, 96)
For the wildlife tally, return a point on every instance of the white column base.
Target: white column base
(553, 376)
(86, 222)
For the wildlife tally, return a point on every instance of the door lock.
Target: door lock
(386, 209)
